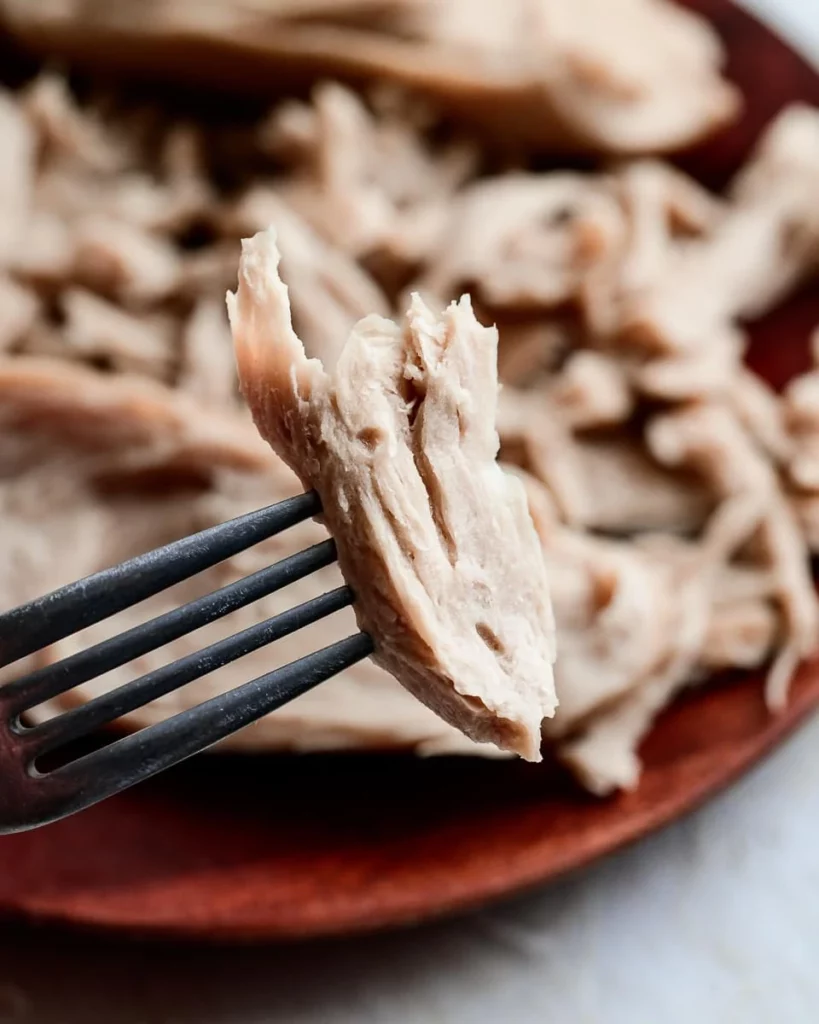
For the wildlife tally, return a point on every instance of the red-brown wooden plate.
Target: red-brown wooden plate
(229, 847)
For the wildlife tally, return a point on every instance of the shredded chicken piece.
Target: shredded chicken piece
(766, 242)
(116, 258)
(46, 253)
(760, 411)
(18, 311)
(433, 537)
(740, 635)
(599, 590)
(330, 292)
(560, 76)
(533, 437)
(659, 206)
(97, 330)
(591, 390)
(631, 97)
(16, 175)
(370, 186)
(707, 372)
(209, 271)
(800, 411)
(608, 484)
(711, 440)
(604, 754)
(66, 133)
(526, 241)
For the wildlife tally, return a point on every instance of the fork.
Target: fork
(33, 794)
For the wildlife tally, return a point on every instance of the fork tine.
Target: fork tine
(63, 675)
(47, 619)
(142, 754)
(79, 721)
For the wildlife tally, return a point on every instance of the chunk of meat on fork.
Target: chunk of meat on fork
(434, 538)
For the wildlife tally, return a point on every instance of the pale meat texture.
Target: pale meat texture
(611, 76)
(434, 539)
(675, 493)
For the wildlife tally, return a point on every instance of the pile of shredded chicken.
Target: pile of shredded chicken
(674, 493)
(611, 76)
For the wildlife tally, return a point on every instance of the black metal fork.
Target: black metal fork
(33, 795)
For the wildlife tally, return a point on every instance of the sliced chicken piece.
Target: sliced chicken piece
(433, 537)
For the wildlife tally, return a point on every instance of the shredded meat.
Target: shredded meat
(369, 184)
(767, 241)
(713, 442)
(525, 241)
(435, 540)
(16, 176)
(330, 292)
(626, 77)
(18, 312)
(674, 494)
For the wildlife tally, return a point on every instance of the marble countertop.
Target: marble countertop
(714, 920)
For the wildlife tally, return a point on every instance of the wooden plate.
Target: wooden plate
(252, 848)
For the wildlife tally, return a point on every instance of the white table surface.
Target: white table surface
(713, 921)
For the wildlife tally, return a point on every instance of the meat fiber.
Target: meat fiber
(435, 540)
